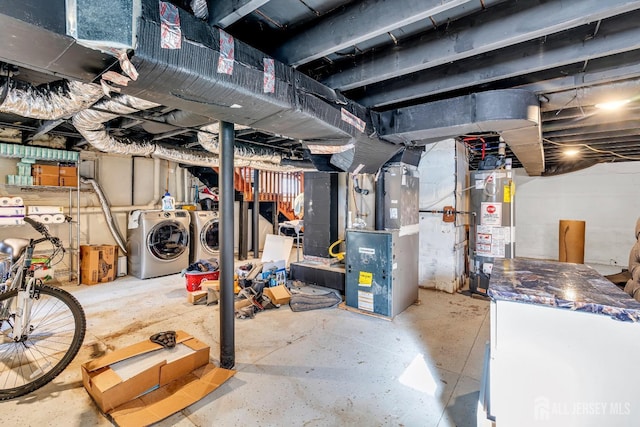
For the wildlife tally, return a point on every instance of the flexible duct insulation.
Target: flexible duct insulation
(104, 203)
(90, 124)
(200, 9)
(47, 102)
(209, 141)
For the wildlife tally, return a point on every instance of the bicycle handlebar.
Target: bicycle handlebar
(42, 229)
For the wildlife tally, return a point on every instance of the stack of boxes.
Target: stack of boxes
(55, 175)
(68, 176)
(28, 172)
(46, 174)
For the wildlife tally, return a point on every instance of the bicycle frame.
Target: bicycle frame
(42, 327)
(26, 284)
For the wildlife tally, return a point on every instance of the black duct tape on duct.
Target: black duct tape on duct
(187, 78)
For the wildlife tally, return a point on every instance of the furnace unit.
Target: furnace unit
(381, 271)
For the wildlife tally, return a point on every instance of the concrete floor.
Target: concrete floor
(327, 367)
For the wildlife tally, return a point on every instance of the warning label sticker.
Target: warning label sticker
(365, 301)
(365, 278)
(491, 213)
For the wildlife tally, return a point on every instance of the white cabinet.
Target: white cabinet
(563, 345)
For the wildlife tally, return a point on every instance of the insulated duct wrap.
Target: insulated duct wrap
(200, 8)
(106, 209)
(91, 125)
(208, 139)
(47, 102)
(187, 79)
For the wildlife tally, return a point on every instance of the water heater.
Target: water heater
(492, 235)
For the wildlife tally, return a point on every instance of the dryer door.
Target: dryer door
(209, 236)
(168, 240)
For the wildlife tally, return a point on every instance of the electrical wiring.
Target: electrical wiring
(587, 146)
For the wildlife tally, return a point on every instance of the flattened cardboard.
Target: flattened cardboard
(278, 294)
(109, 390)
(169, 399)
(237, 305)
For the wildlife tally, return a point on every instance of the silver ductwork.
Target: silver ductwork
(64, 99)
(200, 9)
(208, 139)
(106, 209)
(47, 102)
(91, 125)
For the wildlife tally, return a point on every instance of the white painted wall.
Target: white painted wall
(442, 251)
(606, 196)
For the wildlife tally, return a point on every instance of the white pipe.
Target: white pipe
(179, 188)
(186, 181)
(155, 201)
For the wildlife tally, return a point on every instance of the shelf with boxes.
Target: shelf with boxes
(49, 173)
(39, 173)
(17, 202)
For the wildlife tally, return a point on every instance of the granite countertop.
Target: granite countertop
(561, 285)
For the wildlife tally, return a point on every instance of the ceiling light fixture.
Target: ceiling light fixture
(613, 105)
(571, 152)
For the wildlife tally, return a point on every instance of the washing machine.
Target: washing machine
(205, 242)
(158, 243)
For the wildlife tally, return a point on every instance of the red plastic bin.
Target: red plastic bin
(194, 278)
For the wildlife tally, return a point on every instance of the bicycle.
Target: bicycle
(41, 327)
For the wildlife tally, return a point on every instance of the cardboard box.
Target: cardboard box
(196, 296)
(68, 181)
(241, 303)
(51, 180)
(98, 263)
(145, 383)
(40, 169)
(67, 171)
(213, 284)
(278, 294)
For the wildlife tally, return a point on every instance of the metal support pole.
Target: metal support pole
(243, 230)
(379, 219)
(227, 332)
(274, 217)
(256, 213)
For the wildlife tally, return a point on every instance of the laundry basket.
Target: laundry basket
(194, 278)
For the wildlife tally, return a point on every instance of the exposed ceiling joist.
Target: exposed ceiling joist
(223, 13)
(615, 136)
(578, 98)
(508, 25)
(358, 22)
(613, 127)
(614, 37)
(603, 70)
(595, 119)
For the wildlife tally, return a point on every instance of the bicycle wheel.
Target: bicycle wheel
(55, 335)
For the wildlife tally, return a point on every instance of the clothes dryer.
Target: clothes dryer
(158, 243)
(205, 240)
